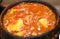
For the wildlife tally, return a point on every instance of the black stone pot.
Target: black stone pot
(34, 37)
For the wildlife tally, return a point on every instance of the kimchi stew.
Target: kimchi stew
(29, 19)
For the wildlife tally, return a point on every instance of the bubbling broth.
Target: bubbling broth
(29, 19)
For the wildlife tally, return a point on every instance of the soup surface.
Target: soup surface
(29, 19)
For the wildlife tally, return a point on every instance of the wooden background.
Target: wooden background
(55, 2)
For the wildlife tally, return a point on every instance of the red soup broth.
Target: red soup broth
(29, 19)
